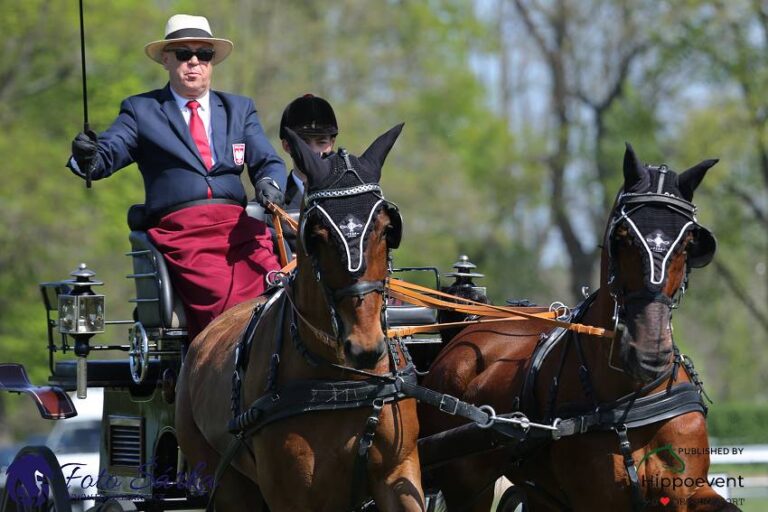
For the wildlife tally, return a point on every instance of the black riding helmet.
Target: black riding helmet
(309, 115)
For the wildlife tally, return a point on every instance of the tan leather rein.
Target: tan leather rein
(417, 295)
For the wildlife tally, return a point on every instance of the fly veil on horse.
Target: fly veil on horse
(620, 410)
(321, 422)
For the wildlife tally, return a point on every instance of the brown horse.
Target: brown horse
(630, 430)
(326, 428)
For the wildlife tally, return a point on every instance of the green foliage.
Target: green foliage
(737, 422)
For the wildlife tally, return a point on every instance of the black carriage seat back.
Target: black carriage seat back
(410, 315)
(157, 304)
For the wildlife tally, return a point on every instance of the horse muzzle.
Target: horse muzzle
(364, 358)
(646, 339)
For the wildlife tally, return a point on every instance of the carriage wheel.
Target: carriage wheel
(138, 355)
(513, 500)
(37, 472)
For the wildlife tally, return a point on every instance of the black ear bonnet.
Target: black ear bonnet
(658, 217)
(347, 201)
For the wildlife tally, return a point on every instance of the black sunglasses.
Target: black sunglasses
(184, 54)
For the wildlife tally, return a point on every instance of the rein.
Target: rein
(423, 296)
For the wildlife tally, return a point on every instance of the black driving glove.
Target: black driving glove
(84, 149)
(268, 191)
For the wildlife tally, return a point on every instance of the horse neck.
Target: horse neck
(608, 382)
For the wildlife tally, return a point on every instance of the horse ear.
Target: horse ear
(306, 160)
(377, 152)
(690, 179)
(635, 176)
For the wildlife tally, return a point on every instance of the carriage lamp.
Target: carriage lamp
(463, 276)
(81, 315)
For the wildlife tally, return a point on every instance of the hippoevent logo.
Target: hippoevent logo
(673, 462)
(28, 480)
(678, 467)
(677, 482)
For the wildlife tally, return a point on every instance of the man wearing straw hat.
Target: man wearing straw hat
(191, 144)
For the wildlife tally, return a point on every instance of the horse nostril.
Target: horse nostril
(360, 357)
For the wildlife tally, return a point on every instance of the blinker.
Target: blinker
(702, 249)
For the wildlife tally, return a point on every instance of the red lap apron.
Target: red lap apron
(217, 256)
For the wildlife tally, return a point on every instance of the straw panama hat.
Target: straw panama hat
(183, 27)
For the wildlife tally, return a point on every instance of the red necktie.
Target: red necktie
(197, 129)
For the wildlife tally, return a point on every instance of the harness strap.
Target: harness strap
(694, 375)
(274, 361)
(666, 404)
(638, 503)
(244, 346)
(299, 397)
(547, 343)
(471, 439)
(224, 462)
(359, 494)
(447, 403)
(554, 386)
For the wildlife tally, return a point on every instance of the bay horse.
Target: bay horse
(626, 419)
(326, 428)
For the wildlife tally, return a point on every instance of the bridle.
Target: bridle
(657, 252)
(352, 237)
(637, 408)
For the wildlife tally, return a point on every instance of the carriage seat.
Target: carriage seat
(409, 315)
(157, 305)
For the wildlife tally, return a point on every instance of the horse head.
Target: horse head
(652, 241)
(346, 230)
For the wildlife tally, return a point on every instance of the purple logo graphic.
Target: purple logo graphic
(27, 481)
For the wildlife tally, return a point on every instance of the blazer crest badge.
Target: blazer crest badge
(238, 153)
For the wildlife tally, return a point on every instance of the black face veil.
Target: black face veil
(344, 195)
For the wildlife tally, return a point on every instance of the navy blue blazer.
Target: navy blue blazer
(150, 130)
